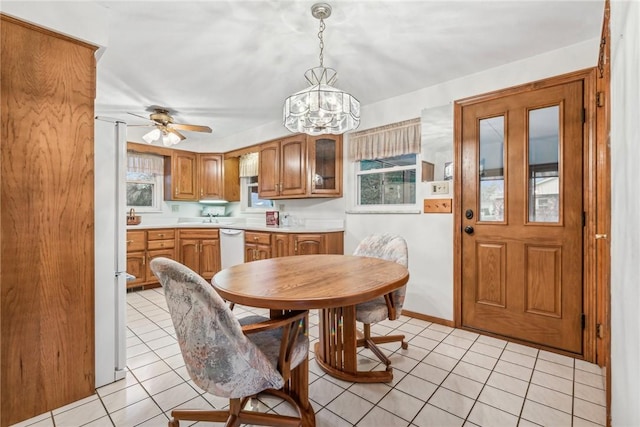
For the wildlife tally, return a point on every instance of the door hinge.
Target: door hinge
(583, 320)
(599, 99)
(599, 330)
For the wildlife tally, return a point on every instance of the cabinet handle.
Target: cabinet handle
(201, 192)
(161, 235)
(295, 247)
(255, 238)
(144, 260)
(129, 241)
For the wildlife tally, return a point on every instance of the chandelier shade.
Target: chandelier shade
(321, 108)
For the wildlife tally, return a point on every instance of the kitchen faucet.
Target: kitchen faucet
(210, 215)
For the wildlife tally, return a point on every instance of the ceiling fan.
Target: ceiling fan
(166, 128)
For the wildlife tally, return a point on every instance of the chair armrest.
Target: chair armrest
(391, 308)
(291, 323)
(279, 322)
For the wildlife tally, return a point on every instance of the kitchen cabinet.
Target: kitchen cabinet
(257, 245)
(325, 165)
(142, 247)
(200, 251)
(282, 170)
(201, 176)
(289, 244)
(181, 176)
(301, 166)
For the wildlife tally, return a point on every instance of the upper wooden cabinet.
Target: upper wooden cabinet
(210, 173)
(301, 166)
(282, 172)
(181, 176)
(201, 176)
(325, 165)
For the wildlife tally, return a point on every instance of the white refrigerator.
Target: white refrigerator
(110, 249)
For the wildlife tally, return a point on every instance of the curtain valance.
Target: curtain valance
(145, 163)
(249, 165)
(386, 141)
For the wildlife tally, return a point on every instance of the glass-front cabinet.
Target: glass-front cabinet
(325, 165)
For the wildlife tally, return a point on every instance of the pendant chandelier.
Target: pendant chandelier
(321, 108)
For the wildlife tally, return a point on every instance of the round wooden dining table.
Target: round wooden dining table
(332, 283)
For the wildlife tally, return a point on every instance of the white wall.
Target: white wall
(625, 205)
(429, 236)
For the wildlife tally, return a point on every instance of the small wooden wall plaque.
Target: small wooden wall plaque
(437, 206)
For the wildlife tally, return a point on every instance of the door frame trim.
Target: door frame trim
(590, 185)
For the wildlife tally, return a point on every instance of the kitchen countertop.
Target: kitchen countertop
(310, 225)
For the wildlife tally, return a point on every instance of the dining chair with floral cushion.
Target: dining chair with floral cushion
(392, 248)
(227, 357)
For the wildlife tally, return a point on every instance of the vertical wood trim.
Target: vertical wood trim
(47, 285)
(457, 214)
(603, 206)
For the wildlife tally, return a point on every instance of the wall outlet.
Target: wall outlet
(175, 208)
(440, 187)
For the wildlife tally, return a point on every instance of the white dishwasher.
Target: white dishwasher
(231, 247)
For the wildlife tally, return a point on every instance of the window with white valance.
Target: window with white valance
(145, 182)
(386, 162)
(386, 141)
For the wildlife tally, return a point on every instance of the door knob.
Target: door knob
(468, 229)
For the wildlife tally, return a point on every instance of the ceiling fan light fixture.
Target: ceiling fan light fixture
(169, 139)
(152, 136)
(321, 108)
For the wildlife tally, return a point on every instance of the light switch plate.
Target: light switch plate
(440, 187)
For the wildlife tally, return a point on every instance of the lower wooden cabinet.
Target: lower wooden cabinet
(257, 245)
(200, 251)
(142, 247)
(288, 244)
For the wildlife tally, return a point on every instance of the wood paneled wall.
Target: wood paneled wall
(47, 286)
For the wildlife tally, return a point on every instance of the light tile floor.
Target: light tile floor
(447, 377)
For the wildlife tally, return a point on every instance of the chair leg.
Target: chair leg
(370, 342)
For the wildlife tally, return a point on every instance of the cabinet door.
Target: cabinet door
(325, 165)
(183, 178)
(136, 266)
(263, 252)
(269, 170)
(281, 245)
(211, 183)
(308, 244)
(209, 258)
(165, 253)
(190, 253)
(136, 241)
(293, 166)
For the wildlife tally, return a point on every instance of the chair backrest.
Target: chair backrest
(392, 248)
(218, 356)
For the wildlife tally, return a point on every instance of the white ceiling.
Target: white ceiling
(229, 64)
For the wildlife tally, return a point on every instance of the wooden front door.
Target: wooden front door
(522, 215)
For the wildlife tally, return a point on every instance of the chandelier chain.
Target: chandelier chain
(322, 27)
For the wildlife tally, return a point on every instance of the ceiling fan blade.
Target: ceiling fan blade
(142, 117)
(194, 128)
(172, 130)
